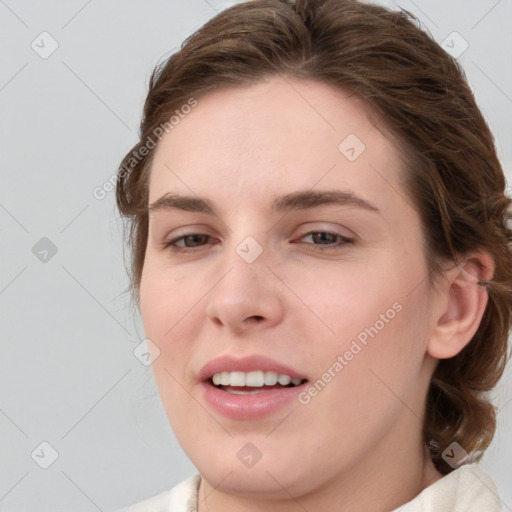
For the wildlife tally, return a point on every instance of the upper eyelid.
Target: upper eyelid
(205, 230)
(201, 231)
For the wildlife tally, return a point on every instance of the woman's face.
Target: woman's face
(301, 258)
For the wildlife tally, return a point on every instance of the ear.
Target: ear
(460, 305)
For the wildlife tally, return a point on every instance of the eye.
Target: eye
(322, 240)
(328, 240)
(192, 240)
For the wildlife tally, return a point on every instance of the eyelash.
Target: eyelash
(171, 244)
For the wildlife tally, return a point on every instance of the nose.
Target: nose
(248, 296)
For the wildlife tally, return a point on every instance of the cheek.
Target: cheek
(385, 375)
(167, 310)
(345, 300)
(375, 320)
(365, 383)
(167, 301)
(169, 315)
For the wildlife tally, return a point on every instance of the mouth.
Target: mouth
(257, 381)
(249, 388)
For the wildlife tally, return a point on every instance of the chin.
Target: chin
(263, 481)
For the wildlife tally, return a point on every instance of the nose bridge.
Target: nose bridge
(245, 288)
(246, 249)
(244, 269)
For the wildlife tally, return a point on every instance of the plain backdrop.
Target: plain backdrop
(74, 398)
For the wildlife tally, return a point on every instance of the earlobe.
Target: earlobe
(462, 299)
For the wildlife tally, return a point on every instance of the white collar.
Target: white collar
(466, 489)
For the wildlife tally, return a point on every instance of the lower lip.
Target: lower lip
(251, 405)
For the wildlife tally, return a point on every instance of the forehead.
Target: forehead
(282, 134)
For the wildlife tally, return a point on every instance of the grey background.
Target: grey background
(68, 373)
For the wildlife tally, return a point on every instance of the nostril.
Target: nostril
(254, 318)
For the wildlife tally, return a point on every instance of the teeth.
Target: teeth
(237, 378)
(284, 380)
(271, 378)
(253, 379)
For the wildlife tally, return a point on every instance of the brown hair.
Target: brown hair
(453, 178)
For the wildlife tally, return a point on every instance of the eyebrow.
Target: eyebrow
(300, 200)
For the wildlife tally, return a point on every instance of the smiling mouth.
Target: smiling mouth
(242, 383)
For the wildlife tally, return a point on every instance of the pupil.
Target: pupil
(194, 238)
(329, 237)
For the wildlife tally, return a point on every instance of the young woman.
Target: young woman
(322, 262)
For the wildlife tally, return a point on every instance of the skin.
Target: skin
(357, 445)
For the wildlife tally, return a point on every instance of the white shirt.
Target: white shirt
(466, 489)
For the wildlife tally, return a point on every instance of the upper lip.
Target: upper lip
(230, 363)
